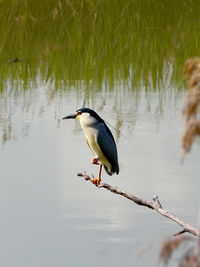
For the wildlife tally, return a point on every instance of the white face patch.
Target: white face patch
(85, 115)
(86, 120)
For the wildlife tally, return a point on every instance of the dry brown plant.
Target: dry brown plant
(192, 104)
(169, 245)
(191, 255)
(189, 259)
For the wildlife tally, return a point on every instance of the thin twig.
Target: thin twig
(180, 233)
(154, 205)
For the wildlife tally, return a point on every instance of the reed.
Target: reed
(97, 41)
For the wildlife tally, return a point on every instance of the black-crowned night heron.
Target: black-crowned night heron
(99, 139)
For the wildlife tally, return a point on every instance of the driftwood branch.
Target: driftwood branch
(154, 205)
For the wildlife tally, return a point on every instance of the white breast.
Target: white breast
(90, 128)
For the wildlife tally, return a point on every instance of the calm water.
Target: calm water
(50, 217)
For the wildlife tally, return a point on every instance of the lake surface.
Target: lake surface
(51, 217)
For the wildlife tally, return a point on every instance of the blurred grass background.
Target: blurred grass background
(97, 41)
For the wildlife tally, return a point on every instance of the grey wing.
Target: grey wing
(108, 146)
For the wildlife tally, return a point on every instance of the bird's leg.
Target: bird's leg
(95, 161)
(97, 181)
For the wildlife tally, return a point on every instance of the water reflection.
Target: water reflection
(45, 205)
(69, 42)
(20, 110)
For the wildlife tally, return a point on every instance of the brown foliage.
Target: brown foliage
(192, 129)
(192, 103)
(169, 246)
(191, 66)
(189, 259)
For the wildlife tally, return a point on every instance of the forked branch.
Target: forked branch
(154, 205)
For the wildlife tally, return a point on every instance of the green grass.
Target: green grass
(97, 41)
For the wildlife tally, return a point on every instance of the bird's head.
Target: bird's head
(85, 115)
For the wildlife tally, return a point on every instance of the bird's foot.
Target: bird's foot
(96, 181)
(95, 161)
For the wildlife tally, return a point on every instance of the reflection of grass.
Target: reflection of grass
(97, 40)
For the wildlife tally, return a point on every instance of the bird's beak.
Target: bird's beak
(72, 116)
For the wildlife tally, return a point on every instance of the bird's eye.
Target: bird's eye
(78, 113)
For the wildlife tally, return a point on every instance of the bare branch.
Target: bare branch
(154, 205)
(180, 233)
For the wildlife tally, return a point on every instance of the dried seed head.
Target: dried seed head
(192, 104)
(191, 65)
(169, 245)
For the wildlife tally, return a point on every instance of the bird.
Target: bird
(99, 139)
